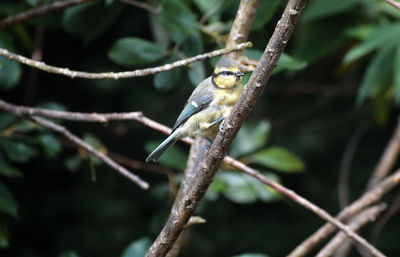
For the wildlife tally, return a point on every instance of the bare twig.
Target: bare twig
(191, 200)
(63, 131)
(368, 215)
(73, 116)
(142, 5)
(21, 17)
(388, 158)
(368, 198)
(119, 75)
(393, 3)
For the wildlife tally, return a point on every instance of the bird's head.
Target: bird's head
(226, 73)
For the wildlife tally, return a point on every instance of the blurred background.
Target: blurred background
(336, 87)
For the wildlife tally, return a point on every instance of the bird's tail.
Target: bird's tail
(156, 154)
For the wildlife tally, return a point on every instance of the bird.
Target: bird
(207, 107)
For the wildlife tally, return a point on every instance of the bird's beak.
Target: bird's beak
(239, 74)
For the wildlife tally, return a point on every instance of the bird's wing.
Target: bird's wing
(201, 97)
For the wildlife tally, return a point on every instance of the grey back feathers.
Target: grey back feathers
(226, 62)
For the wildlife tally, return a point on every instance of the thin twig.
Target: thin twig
(119, 75)
(142, 5)
(73, 116)
(42, 10)
(63, 131)
(393, 3)
(367, 199)
(367, 215)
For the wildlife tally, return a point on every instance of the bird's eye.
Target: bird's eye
(229, 73)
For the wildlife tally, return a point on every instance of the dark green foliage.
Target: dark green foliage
(340, 70)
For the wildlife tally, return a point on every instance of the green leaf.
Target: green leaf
(50, 145)
(265, 12)
(287, 62)
(197, 73)
(132, 51)
(17, 151)
(10, 71)
(69, 254)
(379, 38)
(137, 248)
(396, 73)
(178, 18)
(90, 20)
(279, 159)
(241, 188)
(168, 79)
(382, 103)
(4, 242)
(318, 9)
(174, 157)
(212, 9)
(7, 202)
(251, 137)
(73, 163)
(251, 255)
(9, 171)
(378, 73)
(361, 32)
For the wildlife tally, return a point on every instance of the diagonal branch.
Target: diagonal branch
(368, 198)
(367, 215)
(23, 16)
(119, 75)
(192, 199)
(66, 133)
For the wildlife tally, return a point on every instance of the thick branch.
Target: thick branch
(64, 132)
(366, 216)
(242, 25)
(21, 17)
(192, 199)
(368, 198)
(118, 75)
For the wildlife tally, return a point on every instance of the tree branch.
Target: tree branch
(192, 199)
(242, 25)
(388, 158)
(393, 3)
(64, 132)
(368, 215)
(23, 16)
(119, 75)
(368, 198)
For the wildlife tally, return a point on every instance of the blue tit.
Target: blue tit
(207, 107)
